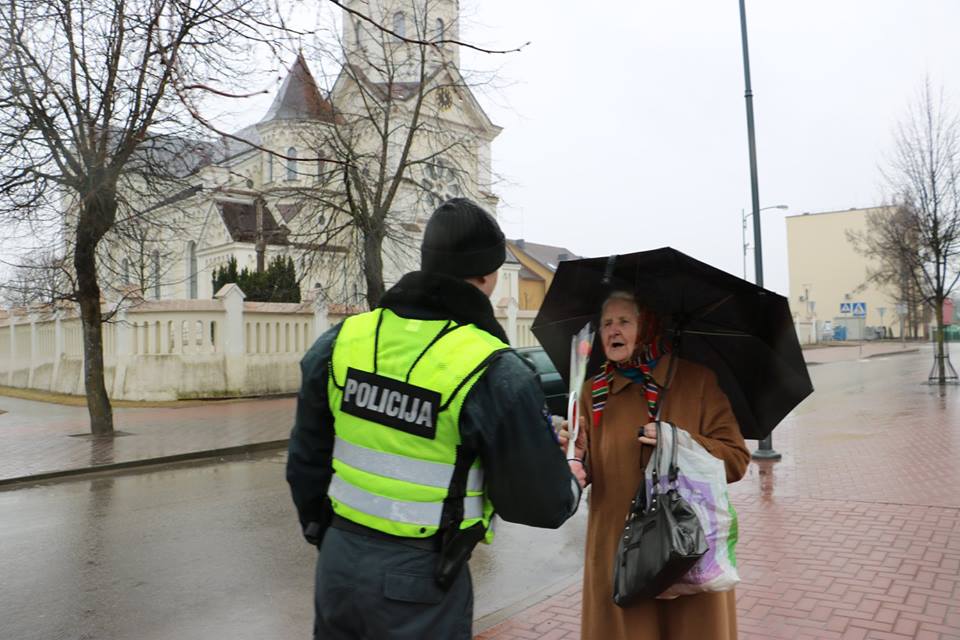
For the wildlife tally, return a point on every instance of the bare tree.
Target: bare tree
(919, 240)
(92, 99)
(891, 244)
(43, 278)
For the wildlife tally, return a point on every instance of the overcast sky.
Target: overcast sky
(625, 124)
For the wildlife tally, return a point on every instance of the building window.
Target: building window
(399, 24)
(291, 163)
(192, 268)
(269, 167)
(439, 34)
(126, 271)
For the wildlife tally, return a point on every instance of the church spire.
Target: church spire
(298, 97)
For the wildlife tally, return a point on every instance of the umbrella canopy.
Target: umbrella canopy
(743, 332)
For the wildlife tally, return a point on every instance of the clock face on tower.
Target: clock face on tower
(440, 182)
(444, 99)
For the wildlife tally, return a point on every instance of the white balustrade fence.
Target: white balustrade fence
(177, 349)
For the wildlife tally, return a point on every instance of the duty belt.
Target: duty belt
(427, 544)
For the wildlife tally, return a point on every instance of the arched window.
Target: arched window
(358, 32)
(269, 167)
(439, 29)
(126, 271)
(156, 274)
(192, 268)
(399, 24)
(321, 165)
(291, 163)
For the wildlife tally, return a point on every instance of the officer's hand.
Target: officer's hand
(560, 428)
(576, 468)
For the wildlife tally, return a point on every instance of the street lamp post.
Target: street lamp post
(765, 451)
(743, 220)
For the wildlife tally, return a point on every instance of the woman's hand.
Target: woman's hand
(576, 468)
(648, 434)
(561, 427)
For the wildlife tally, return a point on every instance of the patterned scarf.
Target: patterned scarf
(638, 369)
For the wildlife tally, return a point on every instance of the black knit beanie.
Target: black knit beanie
(462, 240)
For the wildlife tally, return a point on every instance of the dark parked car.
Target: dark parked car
(553, 386)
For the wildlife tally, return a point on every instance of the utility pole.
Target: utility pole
(765, 451)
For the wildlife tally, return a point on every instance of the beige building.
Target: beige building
(538, 264)
(829, 278)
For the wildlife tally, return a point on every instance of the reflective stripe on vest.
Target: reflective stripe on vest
(414, 513)
(431, 474)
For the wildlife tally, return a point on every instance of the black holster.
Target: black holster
(457, 546)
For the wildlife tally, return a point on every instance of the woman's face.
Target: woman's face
(619, 328)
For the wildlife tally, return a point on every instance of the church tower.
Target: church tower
(428, 20)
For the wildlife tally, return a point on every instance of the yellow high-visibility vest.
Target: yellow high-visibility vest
(396, 388)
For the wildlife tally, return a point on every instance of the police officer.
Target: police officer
(415, 424)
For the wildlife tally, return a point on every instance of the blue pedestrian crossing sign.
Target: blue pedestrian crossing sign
(857, 309)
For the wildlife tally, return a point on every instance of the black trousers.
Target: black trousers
(373, 589)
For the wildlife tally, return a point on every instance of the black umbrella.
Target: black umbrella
(743, 332)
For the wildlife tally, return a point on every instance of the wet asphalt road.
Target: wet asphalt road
(203, 551)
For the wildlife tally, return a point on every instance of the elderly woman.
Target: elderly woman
(618, 406)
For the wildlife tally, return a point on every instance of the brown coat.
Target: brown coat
(615, 463)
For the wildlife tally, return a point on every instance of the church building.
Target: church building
(340, 178)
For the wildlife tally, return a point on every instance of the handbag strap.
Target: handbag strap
(674, 470)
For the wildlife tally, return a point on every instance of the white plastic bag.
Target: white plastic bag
(702, 482)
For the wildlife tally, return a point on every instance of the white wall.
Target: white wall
(177, 349)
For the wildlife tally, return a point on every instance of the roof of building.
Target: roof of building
(298, 97)
(547, 255)
(396, 90)
(838, 211)
(240, 219)
(289, 211)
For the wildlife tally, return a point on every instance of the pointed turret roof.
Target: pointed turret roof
(299, 98)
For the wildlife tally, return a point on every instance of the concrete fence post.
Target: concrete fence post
(12, 364)
(234, 343)
(512, 309)
(34, 350)
(13, 349)
(121, 351)
(57, 348)
(321, 320)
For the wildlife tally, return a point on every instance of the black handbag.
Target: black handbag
(661, 541)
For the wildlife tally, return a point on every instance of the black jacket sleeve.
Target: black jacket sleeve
(503, 419)
(310, 454)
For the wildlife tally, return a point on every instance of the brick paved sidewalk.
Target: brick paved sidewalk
(855, 534)
(38, 439)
